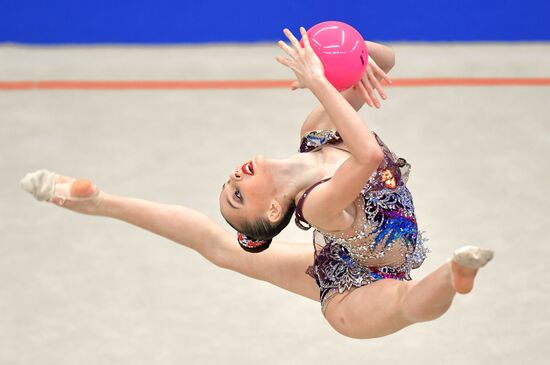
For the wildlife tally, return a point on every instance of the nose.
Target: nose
(236, 175)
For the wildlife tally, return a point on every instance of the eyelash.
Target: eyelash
(238, 195)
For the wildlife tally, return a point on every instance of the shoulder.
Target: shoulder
(314, 209)
(315, 139)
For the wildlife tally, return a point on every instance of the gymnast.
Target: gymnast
(345, 183)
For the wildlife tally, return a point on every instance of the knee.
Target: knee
(369, 317)
(343, 322)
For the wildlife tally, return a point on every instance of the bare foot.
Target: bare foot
(465, 263)
(75, 194)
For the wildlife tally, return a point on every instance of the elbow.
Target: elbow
(217, 247)
(383, 55)
(372, 156)
(377, 155)
(390, 61)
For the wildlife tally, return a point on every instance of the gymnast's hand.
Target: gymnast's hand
(371, 81)
(302, 60)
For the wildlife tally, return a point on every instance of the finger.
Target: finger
(305, 37)
(364, 92)
(370, 91)
(388, 80)
(284, 61)
(380, 74)
(292, 39)
(385, 77)
(285, 47)
(376, 76)
(374, 81)
(295, 85)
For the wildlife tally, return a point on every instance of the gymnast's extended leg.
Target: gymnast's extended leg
(284, 264)
(389, 305)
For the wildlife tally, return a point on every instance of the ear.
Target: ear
(275, 211)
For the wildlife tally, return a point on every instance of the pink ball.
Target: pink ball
(342, 51)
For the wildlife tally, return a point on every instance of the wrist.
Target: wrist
(354, 96)
(319, 83)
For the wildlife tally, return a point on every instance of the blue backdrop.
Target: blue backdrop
(197, 21)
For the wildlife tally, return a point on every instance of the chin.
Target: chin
(262, 163)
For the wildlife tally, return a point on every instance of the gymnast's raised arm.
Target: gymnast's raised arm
(327, 205)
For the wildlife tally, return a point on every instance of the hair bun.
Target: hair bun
(253, 245)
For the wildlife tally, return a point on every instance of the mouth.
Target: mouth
(248, 168)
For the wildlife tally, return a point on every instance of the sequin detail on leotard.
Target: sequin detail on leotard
(384, 242)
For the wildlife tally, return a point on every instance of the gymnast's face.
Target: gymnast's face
(249, 192)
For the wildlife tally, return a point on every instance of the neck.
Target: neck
(296, 173)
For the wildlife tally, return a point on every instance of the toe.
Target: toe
(39, 183)
(472, 256)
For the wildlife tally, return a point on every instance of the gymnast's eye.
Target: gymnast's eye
(238, 195)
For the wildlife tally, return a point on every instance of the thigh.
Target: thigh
(370, 311)
(282, 264)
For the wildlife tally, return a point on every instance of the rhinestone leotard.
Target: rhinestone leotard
(383, 242)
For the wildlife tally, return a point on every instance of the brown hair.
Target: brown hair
(262, 229)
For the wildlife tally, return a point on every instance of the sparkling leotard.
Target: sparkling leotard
(383, 242)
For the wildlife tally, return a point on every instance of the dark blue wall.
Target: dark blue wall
(173, 21)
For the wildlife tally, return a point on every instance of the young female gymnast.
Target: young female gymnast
(345, 183)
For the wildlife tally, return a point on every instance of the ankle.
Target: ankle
(108, 205)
